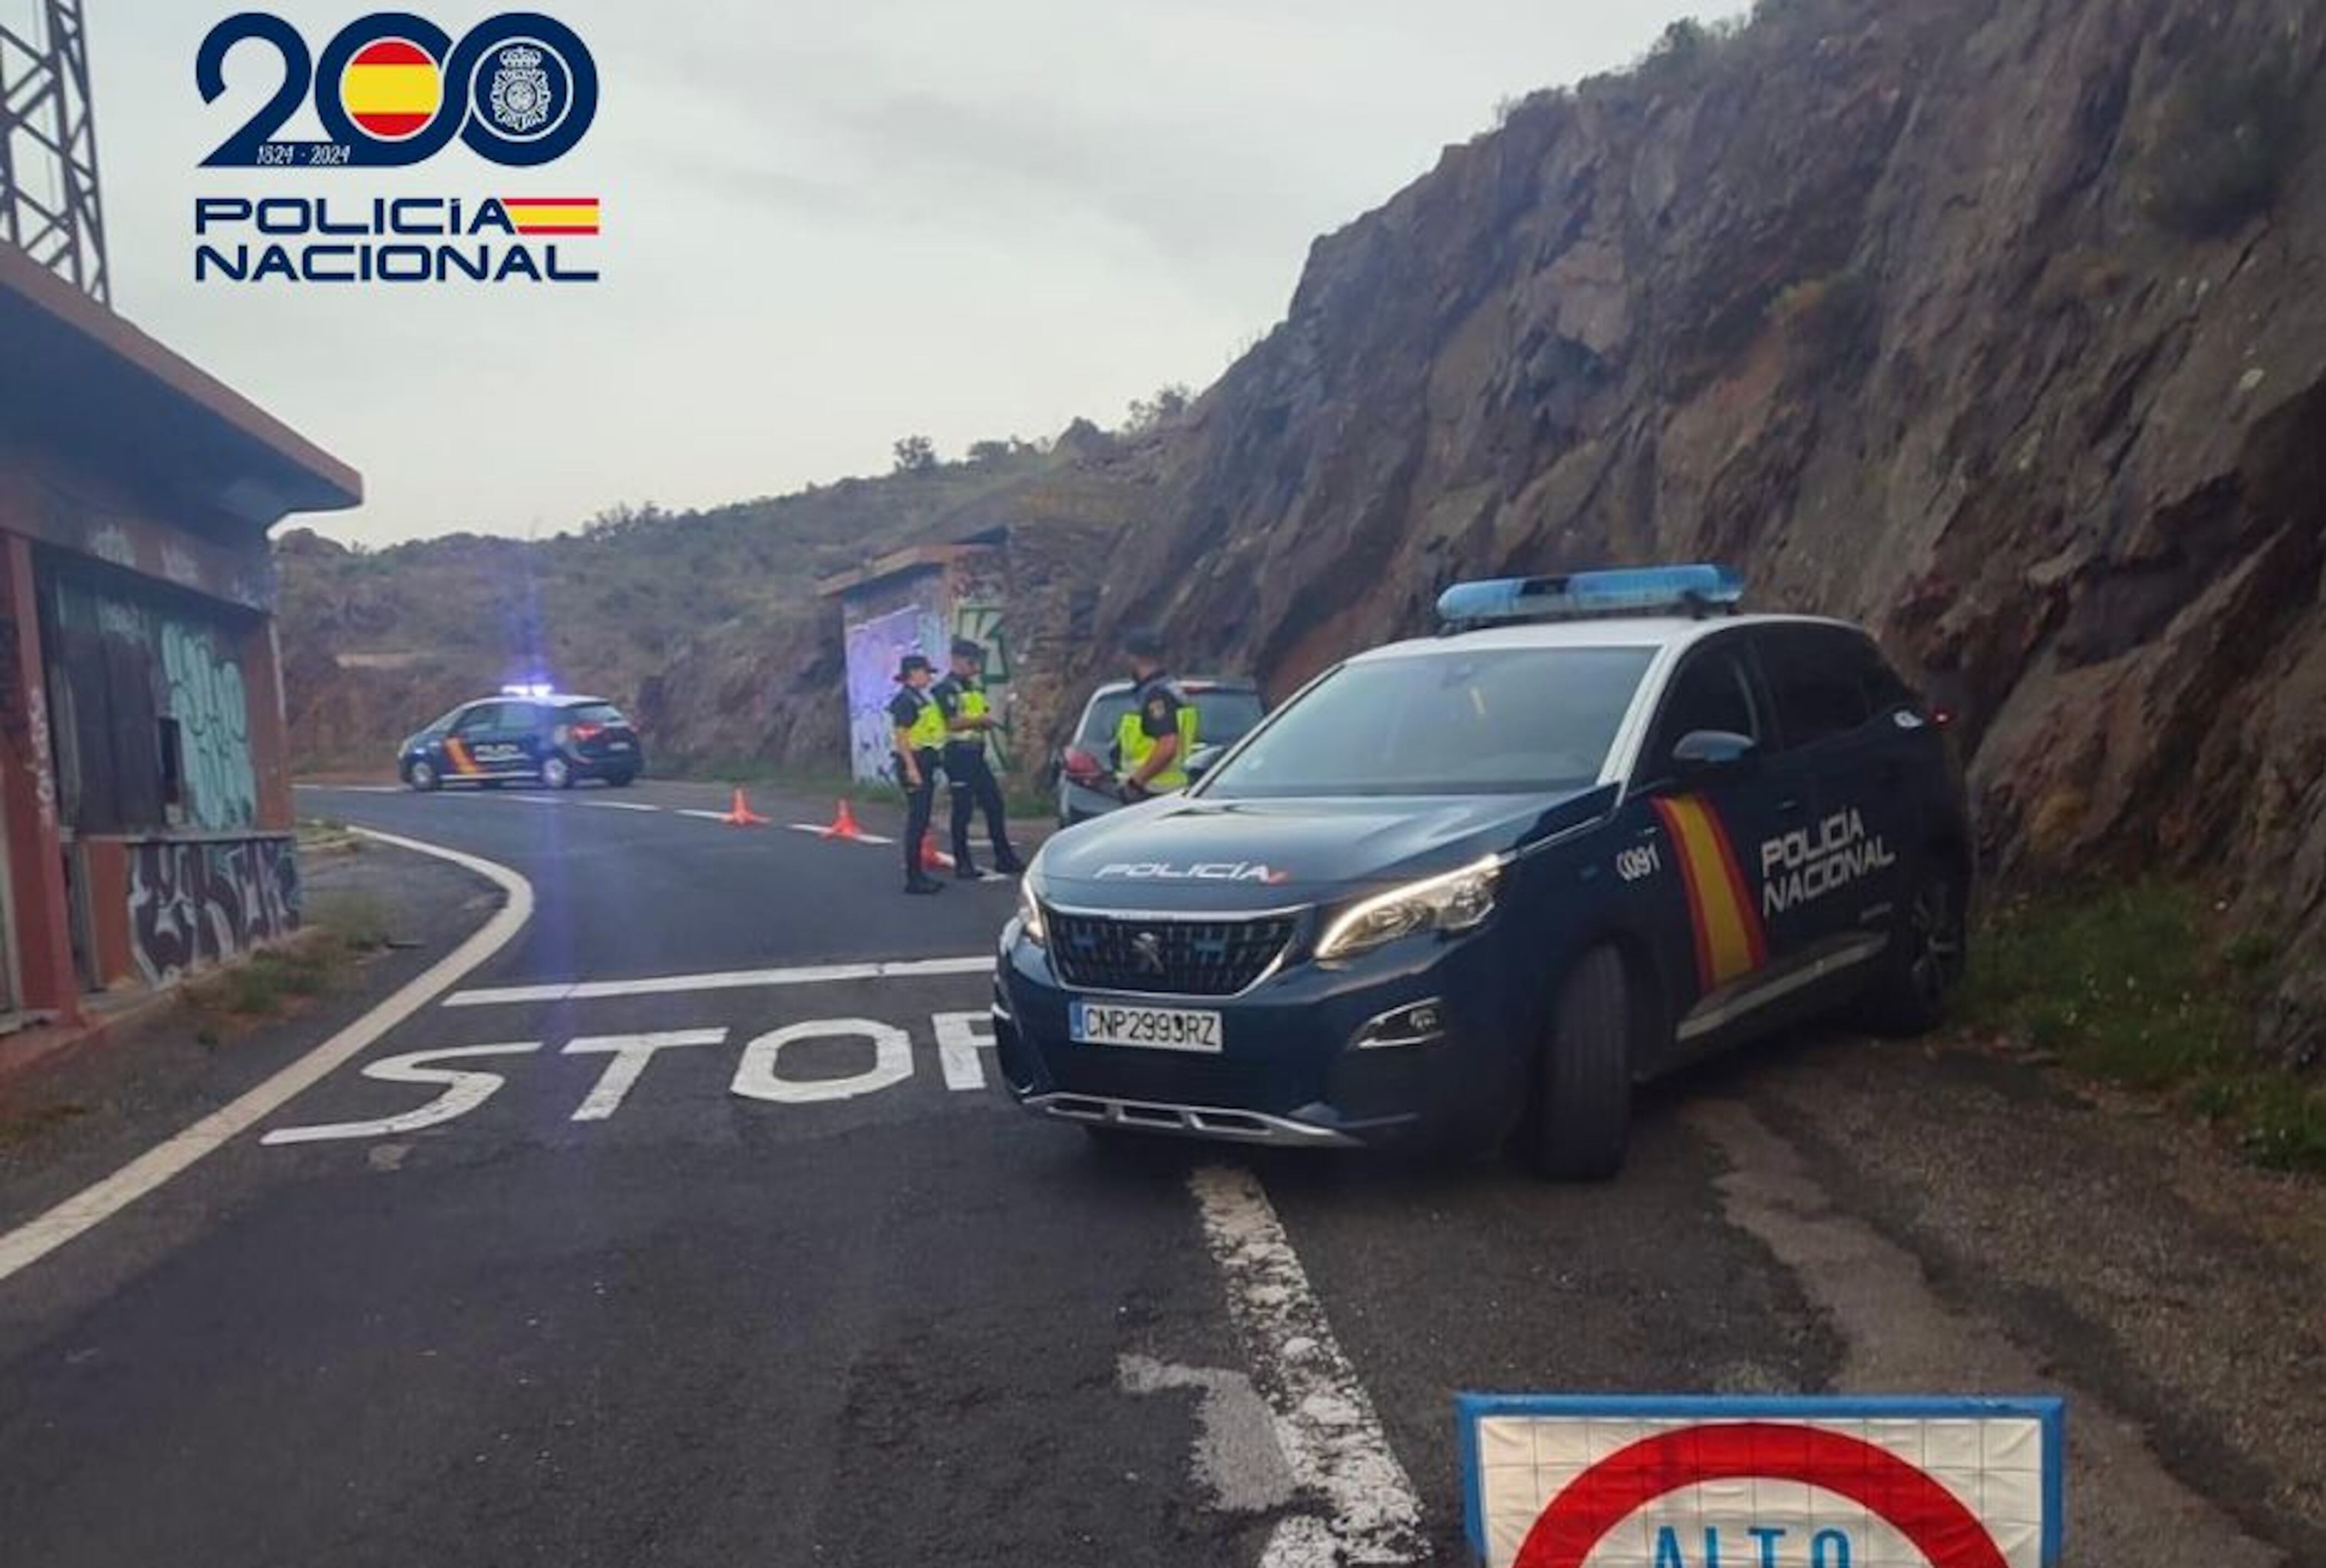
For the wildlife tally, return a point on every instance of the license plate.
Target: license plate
(617, 746)
(1154, 1029)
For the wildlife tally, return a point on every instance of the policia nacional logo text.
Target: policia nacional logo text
(393, 90)
(1803, 866)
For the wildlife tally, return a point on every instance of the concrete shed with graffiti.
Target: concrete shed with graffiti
(917, 601)
(145, 791)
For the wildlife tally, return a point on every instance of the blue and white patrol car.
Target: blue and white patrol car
(529, 734)
(1475, 887)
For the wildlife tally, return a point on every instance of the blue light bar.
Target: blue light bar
(1686, 590)
(533, 688)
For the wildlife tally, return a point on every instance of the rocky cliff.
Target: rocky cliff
(1999, 325)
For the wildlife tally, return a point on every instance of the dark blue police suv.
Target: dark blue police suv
(1471, 889)
(527, 735)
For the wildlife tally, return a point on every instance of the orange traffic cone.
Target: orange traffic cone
(932, 858)
(742, 816)
(843, 826)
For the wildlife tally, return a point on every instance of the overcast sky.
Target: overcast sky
(827, 226)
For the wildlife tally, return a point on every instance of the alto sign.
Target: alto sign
(1607, 1482)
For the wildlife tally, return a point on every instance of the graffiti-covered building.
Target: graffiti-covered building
(146, 788)
(917, 601)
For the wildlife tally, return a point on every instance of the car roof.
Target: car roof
(555, 699)
(1208, 682)
(1656, 632)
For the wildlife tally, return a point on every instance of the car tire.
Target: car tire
(1929, 942)
(422, 777)
(1582, 1116)
(556, 774)
(621, 780)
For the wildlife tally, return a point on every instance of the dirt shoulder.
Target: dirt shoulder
(2142, 1265)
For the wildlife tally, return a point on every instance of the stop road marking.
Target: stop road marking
(960, 1038)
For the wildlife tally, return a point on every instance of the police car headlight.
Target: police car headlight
(1457, 901)
(1030, 910)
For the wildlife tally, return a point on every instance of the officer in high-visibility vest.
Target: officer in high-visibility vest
(1154, 740)
(969, 719)
(919, 740)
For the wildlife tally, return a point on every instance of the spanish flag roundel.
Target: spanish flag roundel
(391, 89)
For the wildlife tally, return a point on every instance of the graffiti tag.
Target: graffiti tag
(192, 906)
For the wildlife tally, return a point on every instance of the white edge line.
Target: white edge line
(726, 980)
(618, 806)
(1333, 1438)
(35, 1240)
(861, 838)
(704, 816)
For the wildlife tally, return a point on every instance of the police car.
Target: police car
(528, 734)
(1084, 771)
(1472, 889)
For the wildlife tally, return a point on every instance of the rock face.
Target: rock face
(1999, 325)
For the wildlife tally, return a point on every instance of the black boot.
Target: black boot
(918, 884)
(964, 870)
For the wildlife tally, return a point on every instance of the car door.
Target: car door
(471, 734)
(1839, 872)
(484, 742)
(522, 738)
(1695, 841)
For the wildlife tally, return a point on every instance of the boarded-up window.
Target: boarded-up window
(151, 713)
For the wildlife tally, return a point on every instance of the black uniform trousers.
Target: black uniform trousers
(920, 806)
(974, 788)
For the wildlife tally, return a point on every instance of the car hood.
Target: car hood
(1185, 852)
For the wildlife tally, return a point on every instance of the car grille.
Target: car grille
(1186, 958)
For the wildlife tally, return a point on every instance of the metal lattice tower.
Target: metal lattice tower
(50, 206)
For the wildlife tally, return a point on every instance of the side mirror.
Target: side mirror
(1202, 760)
(1710, 751)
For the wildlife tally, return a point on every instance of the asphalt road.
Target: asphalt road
(755, 1269)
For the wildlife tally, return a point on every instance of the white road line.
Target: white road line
(705, 816)
(352, 789)
(723, 980)
(821, 833)
(619, 806)
(538, 799)
(1325, 1422)
(29, 1243)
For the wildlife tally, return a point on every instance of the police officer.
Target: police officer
(1154, 740)
(919, 739)
(969, 719)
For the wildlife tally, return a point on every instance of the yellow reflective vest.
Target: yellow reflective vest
(1136, 746)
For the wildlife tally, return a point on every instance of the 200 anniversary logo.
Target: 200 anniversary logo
(392, 90)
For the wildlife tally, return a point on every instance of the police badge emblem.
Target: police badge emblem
(522, 98)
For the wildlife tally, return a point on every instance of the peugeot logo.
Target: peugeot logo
(1147, 951)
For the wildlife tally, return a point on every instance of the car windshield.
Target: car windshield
(1221, 717)
(1505, 720)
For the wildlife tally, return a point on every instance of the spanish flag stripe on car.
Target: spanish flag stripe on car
(457, 751)
(1729, 938)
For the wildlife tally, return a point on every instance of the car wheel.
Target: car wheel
(1929, 945)
(422, 777)
(557, 773)
(621, 780)
(1583, 1076)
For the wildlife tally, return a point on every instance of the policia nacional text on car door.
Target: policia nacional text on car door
(1472, 888)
